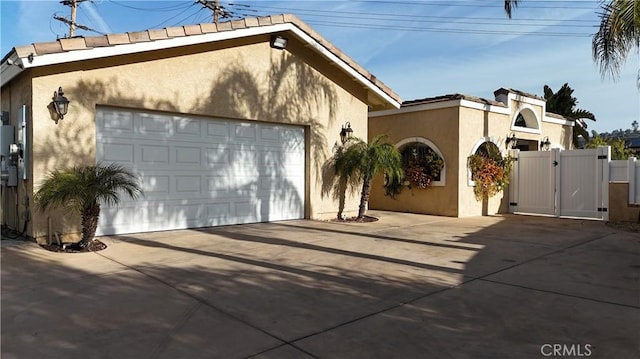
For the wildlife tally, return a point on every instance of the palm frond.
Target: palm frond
(81, 187)
(582, 114)
(617, 35)
(509, 6)
(360, 161)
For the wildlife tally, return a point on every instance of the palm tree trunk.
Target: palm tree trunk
(364, 197)
(342, 195)
(90, 216)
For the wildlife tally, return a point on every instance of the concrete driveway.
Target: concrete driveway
(406, 286)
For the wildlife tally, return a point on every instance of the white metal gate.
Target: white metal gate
(571, 184)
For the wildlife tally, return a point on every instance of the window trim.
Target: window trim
(424, 141)
(529, 114)
(479, 143)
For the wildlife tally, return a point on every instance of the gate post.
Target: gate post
(631, 176)
(555, 162)
(513, 181)
(604, 154)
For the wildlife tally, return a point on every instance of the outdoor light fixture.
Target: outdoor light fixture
(511, 141)
(346, 132)
(545, 144)
(279, 42)
(60, 103)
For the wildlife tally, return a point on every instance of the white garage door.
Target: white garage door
(199, 172)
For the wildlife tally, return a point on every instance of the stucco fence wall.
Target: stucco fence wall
(440, 127)
(624, 190)
(457, 132)
(620, 210)
(244, 79)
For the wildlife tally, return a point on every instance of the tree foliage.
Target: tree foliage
(619, 149)
(359, 162)
(509, 6)
(563, 103)
(618, 34)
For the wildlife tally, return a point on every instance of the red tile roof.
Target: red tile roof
(450, 97)
(109, 40)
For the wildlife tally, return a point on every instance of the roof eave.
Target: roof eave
(382, 97)
(10, 67)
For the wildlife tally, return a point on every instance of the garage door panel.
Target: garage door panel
(217, 156)
(156, 186)
(186, 185)
(188, 127)
(217, 129)
(218, 210)
(244, 131)
(188, 155)
(153, 154)
(118, 152)
(202, 172)
(269, 134)
(246, 211)
(218, 187)
(116, 122)
(155, 125)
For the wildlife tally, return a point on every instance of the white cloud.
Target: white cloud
(96, 18)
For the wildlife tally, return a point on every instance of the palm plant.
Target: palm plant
(84, 189)
(509, 5)
(361, 161)
(618, 34)
(563, 103)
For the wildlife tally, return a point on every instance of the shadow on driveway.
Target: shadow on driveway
(478, 287)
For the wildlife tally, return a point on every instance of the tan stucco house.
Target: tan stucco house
(227, 123)
(454, 127)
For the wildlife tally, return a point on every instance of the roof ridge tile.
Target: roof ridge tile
(82, 43)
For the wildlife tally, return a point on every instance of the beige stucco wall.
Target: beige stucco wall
(458, 131)
(17, 204)
(441, 128)
(619, 208)
(479, 126)
(241, 79)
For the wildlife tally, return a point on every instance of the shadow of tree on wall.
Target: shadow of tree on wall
(70, 144)
(294, 94)
(289, 93)
(334, 186)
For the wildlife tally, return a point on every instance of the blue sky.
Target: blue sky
(419, 48)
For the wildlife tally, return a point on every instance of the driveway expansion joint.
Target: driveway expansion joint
(559, 293)
(198, 299)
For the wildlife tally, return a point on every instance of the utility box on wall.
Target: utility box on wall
(8, 171)
(6, 139)
(23, 141)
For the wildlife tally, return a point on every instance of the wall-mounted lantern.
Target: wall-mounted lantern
(60, 104)
(511, 141)
(545, 144)
(346, 132)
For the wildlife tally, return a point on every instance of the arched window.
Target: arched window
(520, 121)
(422, 161)
(526, 121)
(488, 147)
(489, 150)
(488, 170)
